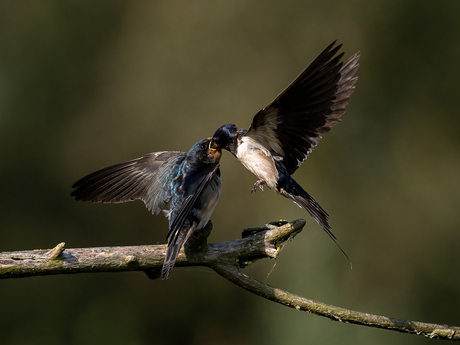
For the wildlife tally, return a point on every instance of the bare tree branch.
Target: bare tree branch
(227, 259)
(148, 258)
(430, 330)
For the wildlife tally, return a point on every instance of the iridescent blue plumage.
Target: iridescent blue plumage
(189, 181)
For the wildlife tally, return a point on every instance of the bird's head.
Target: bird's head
(203, 152)
(225, 138)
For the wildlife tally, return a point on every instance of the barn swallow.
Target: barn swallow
(189, 181)
(285, 132)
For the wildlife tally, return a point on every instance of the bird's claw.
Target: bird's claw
(260, 184)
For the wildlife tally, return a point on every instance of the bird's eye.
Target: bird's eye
(203, 146)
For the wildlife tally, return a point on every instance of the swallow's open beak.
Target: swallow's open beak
(213, 145)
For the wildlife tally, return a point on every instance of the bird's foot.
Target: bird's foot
(261, 184)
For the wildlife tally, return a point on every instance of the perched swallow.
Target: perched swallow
(285, 132)
(189, 181)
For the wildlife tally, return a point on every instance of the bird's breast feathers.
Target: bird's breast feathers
(208, 200)
(258, 160)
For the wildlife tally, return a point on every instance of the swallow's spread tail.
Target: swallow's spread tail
(170, 260)
(176, 240)
(290, 189)
(296, 193)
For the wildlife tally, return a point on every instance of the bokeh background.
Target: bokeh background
(84, 84)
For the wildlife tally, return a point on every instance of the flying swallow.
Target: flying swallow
(285, 132)
(189, 181)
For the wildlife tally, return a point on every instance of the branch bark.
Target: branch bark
(227, 259)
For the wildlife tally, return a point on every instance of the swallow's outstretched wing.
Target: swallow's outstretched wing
(292, 124)
(148, 178)
(191, 181)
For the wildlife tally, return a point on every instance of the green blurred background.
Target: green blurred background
(84, 84)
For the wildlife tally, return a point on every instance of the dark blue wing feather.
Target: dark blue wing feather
(148, 178)
(292, 124)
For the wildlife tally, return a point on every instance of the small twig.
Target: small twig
(56, 252)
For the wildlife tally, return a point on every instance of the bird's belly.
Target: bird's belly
(261, 165)
(207, 201)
